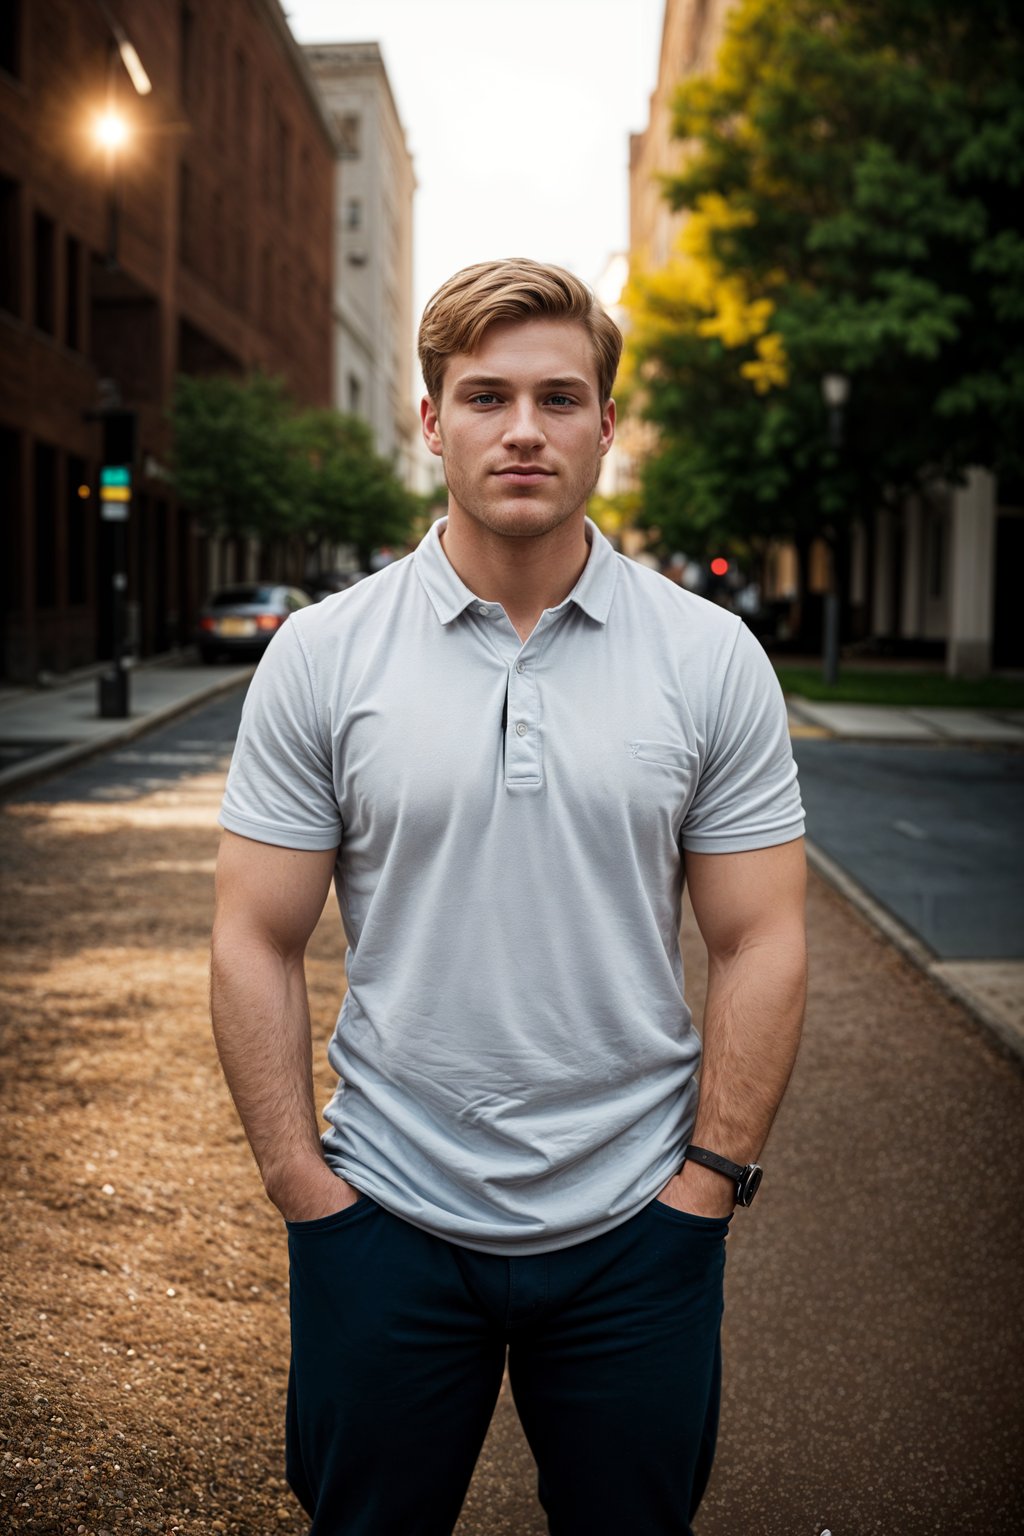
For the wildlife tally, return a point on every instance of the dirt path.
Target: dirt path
(144, 1284)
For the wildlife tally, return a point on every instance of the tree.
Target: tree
(853, 187)
(250, 463)
(348, 493)
(233, 461)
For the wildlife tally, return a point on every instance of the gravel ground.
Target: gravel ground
(873, 1367)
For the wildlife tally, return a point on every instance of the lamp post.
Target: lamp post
(112, 133)
(835, 390)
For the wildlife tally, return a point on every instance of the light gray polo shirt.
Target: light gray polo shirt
(515, 1055)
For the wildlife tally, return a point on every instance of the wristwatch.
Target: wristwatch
(747, 1179)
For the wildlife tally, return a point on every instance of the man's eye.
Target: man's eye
(482, 399)
(561, 400)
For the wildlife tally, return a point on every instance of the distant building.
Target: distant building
(690, 36)
(940, 575)
(373, 243)
(223, 263)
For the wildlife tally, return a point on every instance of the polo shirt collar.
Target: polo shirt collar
(449, 595)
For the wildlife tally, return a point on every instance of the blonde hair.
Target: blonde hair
(461, 310)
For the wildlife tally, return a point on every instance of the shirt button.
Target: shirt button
(520, 666)
(482, 609)
(521, 727)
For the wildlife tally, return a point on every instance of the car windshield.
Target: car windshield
(235, 597)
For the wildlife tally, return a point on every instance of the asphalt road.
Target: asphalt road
(935, 834)
(875, 1295)
(200, 742)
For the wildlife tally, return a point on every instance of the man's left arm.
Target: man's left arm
(750, 911)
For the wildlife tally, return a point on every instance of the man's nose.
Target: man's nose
(524, 427)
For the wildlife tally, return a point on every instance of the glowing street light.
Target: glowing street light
(111, 131)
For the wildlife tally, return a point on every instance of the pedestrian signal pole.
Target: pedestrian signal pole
(115, 501)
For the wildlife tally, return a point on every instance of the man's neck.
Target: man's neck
(524, 575)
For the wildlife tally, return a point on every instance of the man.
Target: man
(505, 749)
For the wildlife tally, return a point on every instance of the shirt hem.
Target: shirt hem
(279, 837)
(748, 844)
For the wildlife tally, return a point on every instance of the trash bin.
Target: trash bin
(114, 694)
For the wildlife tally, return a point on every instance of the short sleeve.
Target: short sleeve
(280, 786)
(747, 795)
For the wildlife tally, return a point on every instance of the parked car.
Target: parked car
(242, 620)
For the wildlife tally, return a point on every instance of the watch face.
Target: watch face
(749, 1184)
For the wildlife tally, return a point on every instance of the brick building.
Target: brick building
(220, 209)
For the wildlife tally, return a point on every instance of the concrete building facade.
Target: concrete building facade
(204, 245)
(373, 247)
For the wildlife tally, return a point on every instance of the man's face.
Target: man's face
(521, 427)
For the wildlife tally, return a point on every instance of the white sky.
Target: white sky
(517, 114)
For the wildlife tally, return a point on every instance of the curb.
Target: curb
(35, 769)
(1008, 1041)
(802, 712)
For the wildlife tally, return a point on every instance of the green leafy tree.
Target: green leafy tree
(233, 461)
(248, 462)
(853, 184)
(349, 494)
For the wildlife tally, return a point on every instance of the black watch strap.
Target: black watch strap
(708, 1159)
(747, 1177)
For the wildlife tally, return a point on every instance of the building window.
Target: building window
(242, 103)
(44, 250)
(189, 58)
(219, 273)
(46, 525)
(73, 293)
(10, 38)
(355, 395)
(12, 588)
(219, 84)
(186, 214)
(77, 520)
(348, 126)
(353, 213)
(267, 132)
(266, 288)
(10, 245)
(241, 294)
(282, 155)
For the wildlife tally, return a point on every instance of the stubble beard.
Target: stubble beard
(522, 514)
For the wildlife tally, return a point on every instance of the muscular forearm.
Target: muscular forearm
(752, 1021)
(261, 1026)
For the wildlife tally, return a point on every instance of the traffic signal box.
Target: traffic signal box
(115, 492)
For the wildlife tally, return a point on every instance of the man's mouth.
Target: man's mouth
(523, 474)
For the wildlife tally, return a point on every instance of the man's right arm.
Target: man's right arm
(269, 900)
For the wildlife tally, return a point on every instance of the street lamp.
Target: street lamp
(112, 132)
(835, 391)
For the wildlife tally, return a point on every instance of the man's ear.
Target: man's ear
(607, 427)
(431, 425)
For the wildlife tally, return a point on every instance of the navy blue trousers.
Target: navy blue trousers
(399, 1344)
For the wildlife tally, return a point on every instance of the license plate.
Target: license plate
(236, 629)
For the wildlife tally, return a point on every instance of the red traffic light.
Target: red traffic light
(719, 566)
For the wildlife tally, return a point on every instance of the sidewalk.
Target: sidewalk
(991, 990)
(43, 731)
(894, 722)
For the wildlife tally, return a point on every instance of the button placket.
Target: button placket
(523, 747)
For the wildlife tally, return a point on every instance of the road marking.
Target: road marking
(911, 829)
(813, 732)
